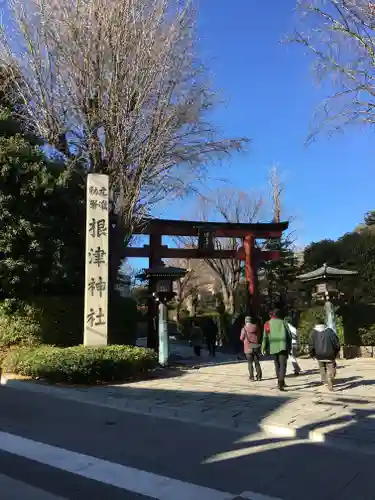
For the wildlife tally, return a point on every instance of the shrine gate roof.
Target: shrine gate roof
(170, 227)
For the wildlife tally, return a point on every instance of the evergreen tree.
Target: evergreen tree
(370, 218)
(41, 216)
(353, 251)
(279, 276)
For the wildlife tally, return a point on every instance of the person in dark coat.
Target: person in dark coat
(324, 346)
(250, 336)
(196, 338)
(210, 332)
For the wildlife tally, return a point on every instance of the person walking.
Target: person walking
(196, 338)
(324, 346)
(210, 332)
(250, 336)
(277, 342)
(295, 345)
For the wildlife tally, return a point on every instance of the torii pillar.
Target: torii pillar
(251, 274)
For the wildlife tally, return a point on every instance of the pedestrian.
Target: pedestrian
(277, 342)
(196, 338)
(210, 332)
(250, 336)
(295, 345)
(324, 346)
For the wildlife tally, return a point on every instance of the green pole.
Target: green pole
(163, 335)
(330, 315)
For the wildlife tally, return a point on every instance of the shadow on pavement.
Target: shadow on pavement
(285, 468)
(288, 468)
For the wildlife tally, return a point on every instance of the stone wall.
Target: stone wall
(350, 352)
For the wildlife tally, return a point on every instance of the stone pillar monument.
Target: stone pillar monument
(96, 268)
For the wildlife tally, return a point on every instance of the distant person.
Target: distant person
(295, 345)
(277, 342)
(250, 336)
(324, 345)
(196, 338)
(210, 333)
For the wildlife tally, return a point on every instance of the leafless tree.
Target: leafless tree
(188, 286)
(116, 84)
(276, 193)
(229, 206)
(277, 277)
(340, 35)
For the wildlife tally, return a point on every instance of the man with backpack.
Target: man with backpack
(324, 345)
(250, 336)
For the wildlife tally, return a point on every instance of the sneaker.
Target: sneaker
(251, 379)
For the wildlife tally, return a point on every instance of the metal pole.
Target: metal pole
(330, 315)
(163, 335)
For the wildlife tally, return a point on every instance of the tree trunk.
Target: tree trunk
(228, 298)
(178, 314)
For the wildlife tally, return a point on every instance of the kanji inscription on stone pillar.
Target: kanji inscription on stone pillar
(96, 269)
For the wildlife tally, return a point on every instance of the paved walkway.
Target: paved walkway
(221, 395)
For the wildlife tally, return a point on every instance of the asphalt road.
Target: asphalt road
(54, 449)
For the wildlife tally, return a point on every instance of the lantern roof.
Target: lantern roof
(326, 272)
(170, 272)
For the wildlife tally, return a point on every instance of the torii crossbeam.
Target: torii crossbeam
(206, 232)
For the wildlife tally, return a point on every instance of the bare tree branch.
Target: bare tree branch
(193, 281)
(277, 189)
(118, 85)
(229, 206)
(340, 35)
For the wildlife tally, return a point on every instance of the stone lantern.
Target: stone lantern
(326, 281)
(163, 278)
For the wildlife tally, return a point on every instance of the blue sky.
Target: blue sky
(270, 97)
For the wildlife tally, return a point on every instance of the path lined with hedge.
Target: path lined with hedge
(221, 395)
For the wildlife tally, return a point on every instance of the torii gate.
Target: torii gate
(206, 232)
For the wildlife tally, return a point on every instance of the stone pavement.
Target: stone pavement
(220, 394)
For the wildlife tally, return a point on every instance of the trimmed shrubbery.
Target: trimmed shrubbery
(79, 364)
(18, 328)
(367, 335)
(59, 321)
(36, 339)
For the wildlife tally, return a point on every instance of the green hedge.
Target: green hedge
(79, 364)
(18, 328)
(357, 319)
(59, 321)
(367, 335)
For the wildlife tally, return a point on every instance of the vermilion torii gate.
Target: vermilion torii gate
(206, 232)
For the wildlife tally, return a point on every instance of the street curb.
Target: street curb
(288, 433)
